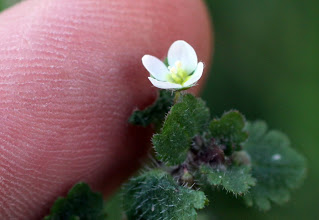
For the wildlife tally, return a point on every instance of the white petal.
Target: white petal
(182, 51)
(196, 75)
(155, 66)
(164, 85)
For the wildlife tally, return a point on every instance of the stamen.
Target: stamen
(178, 64)
(177, 74)
(173, 70)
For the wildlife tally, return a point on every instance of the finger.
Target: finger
(70, 76)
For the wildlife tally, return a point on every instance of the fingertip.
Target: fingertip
(70, 76)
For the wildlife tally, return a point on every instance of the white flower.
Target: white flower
(183, 70)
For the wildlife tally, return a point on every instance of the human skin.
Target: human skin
(70, 76)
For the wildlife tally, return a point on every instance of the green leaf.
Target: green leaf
(80, 203)
(229, 130)
(113, 207)
(156, 196)
(166, 62)
(236, 179)
(155, 113)
(186, 119)
(276, 166)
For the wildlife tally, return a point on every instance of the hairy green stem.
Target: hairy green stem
(177, 95)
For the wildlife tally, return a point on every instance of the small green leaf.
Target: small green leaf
(155, 113)
(113, 207)
(156, 196)
(236, 179)
(275, 165)
(166, 62)
(80, 203)
(229, 130)
(186, 119)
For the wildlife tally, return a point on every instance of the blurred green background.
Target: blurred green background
(6, 3)
(266, 64)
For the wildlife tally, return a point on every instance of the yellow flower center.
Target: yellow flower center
(177, 74)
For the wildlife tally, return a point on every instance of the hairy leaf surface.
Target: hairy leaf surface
(156, 196)
(155, 113)
(186, 119)
(276, 166)
(229, 130)
(80, 203)
(236, 179)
